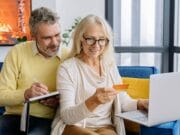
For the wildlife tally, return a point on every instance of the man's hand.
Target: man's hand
(36, 89)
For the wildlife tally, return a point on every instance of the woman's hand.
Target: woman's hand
(101, 96)
(142, 104)
(104, 95)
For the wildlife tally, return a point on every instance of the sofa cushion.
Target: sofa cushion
(138, 88)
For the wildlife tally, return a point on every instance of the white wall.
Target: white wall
(71, 9)
(68, 10)
(3, 52)
(45, 3)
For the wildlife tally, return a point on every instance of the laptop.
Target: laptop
(163, 101)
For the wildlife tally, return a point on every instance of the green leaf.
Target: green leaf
(24, 38)
(65, 42)
(65, 35)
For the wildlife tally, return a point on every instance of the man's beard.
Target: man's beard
(48, 51)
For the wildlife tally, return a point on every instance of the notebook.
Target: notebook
(163, 101)
(25, 113)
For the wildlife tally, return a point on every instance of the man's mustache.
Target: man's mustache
(53, 47)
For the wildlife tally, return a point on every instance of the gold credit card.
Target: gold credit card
(120, 87)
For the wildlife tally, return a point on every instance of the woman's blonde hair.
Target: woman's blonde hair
(108, 54)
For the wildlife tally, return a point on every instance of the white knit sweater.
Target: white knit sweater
(76, 82)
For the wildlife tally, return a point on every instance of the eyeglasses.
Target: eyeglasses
(92, 41)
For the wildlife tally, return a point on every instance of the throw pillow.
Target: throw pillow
(138, 88)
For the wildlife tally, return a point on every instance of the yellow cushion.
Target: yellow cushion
(138, 88)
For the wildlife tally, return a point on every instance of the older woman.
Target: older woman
(88, 102)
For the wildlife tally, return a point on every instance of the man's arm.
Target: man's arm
(9, 91)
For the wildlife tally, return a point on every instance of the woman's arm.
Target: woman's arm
(70, 112)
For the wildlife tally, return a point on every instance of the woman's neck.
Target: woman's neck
(94, 63)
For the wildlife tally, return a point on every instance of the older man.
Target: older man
(29, 70)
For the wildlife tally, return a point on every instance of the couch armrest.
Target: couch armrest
(1, 63)
(1, 108)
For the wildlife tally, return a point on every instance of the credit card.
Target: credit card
(120, 87)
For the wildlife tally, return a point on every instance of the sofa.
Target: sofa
(1, 63)
(1, 108)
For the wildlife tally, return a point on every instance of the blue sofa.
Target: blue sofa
(1, 65)
(143, 72)
(1, 108)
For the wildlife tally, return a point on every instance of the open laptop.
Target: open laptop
(164, 99)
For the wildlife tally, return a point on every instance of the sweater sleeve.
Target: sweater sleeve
(70, 112)
(127, 103)
(10, 95)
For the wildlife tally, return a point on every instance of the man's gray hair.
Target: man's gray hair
(41, 15)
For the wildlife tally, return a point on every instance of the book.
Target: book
(25, 118)
(52, 94)
(25, 113)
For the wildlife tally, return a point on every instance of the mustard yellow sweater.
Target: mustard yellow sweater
(23, 66)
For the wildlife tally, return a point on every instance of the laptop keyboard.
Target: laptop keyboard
(144, 118)
(138, 115)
